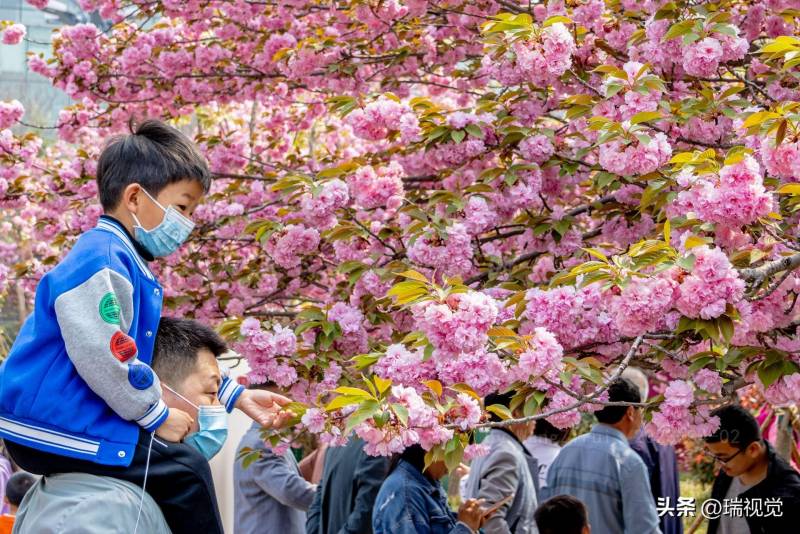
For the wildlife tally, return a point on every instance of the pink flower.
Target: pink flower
(678, 393)
(13, 34)
(375, 188)
(349, 318)
(314, 420)
(543, 359)
(250, 326)
(453, 256)
(637, 157)
(566, 419)
(10, 113)
(404, 367)
(319, 208)
(475, 450)
(536, 148)
(643, 304)
(458, 325)
(708, 380)
(712, 285)
(288, 245)
(380, 118)
(465, 413)
(702, 58)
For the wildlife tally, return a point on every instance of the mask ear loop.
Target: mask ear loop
(181, 396)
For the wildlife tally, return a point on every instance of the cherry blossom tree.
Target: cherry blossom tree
(418, 202)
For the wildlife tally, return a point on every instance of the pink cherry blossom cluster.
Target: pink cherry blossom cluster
(10, 113)
(458, 325)
(383, 116)
(733, 198)
(267, 352)
(288, 246)
(536, 148)
(319, 208)
(13, 34)
(574, 316)
(543, 359)
(354, 336)
(712, 285)
(450, 255)
(380, 187)
(674, 420)
(536, 62)
(637, 157)
(643, 305)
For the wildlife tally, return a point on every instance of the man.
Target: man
(562, 515)
(602, 470)
(270, 495)
(346, 494)
(185, 360)
(508, 471)
(17, 486)
(544, 445)
(660, 460)
(752, 473)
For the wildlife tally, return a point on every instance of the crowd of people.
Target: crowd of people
(118, 410)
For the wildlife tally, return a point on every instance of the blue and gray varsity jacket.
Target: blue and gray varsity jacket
(78, 381)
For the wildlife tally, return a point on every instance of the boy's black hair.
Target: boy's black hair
(154, 155)
(176, 347)
(737, 426)
(620, 390)
(562, 514)
(17, 486)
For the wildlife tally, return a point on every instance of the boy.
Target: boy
(16, 488)
(562, 514)
(77, 392)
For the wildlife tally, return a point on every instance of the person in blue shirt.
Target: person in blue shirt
(411, 500)
(77, 392)
(601, 469)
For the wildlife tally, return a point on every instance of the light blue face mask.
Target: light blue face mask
(212, 421)
(165, 238)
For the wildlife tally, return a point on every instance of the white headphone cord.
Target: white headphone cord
(144, 482)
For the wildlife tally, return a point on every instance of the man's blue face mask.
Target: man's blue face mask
(212, 421)
(165, 238)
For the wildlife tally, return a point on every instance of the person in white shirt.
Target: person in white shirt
(544, 445)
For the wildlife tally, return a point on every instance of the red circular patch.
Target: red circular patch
(123, 347)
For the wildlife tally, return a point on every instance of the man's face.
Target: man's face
(733, 460)
(200, 387)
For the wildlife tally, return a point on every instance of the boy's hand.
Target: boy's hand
(265, 407)
(176, 427)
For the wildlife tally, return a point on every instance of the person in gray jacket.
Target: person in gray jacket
(270, 494)
(507, 471)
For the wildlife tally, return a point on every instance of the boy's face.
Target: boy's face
(184, 196)
(200, 387)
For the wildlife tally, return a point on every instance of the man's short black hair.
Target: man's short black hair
(620, 390)
(154, 155)
(18, 485)
(176, 347)
(737, 426)
(562, 514)
(545, 429)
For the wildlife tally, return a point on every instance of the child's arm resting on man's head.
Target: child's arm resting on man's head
(94, 319)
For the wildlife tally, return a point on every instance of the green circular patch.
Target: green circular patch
(109, 308)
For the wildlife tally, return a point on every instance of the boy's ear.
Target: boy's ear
(131, 198)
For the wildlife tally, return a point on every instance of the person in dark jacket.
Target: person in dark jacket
(346, 494)
(752, 472)
(660, 460)
(412, 501)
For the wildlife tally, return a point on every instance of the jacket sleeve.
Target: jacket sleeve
(276, 477)
(94, 319)
(229, 390)
(314, 512)
(370, 473)
(499, 479)
(638, 507)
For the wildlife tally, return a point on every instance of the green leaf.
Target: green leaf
(401, 412)
(474, 130)
(341, 402)
(458, 135)
(500, 411)
(362, 413)
(346, 390)
(726, 328)
(645, 116)
(554, 19)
